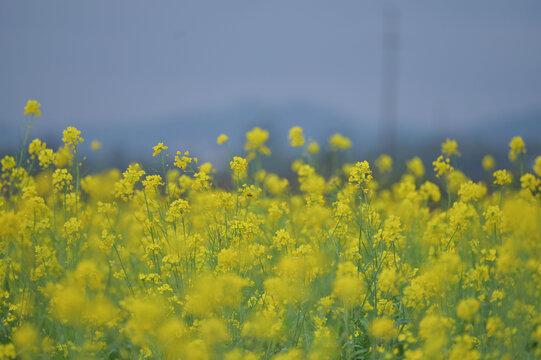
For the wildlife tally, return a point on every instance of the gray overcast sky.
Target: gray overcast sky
(134, 60)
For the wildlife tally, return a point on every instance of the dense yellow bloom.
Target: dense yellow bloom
(416, 167)
(313, 147)
(158, 149)
(516, 147)
(62, 180)
(63, 157)
(384, 163)
(442, 166)
(275, 185)
(35, 148)
(348, 287)
(467, 308)
(433, 330)
(361, 174)
(472, 191)
(71, 137)
(266, 324)
(332, 261)
(450, 147)
(382, 328)
(430, 191)
(502, 177)
(238, 166)
(463, 349)
(7, 351)
(32, 107)
(25, 339)
(182, 160)
(293, 354)
(8, 163)
(296, 138)
(488, 162)
(46, 157)
(339, 142)
(95, 145)
(151, 182)
(124, 187)
(222, 138)
(537, 166)
(213, 293)
(71, 230)
(530, 182)
(213, 330)
(68, 303)
(495, 327)
(255, 140)
(178, 209)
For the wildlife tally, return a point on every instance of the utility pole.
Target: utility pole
(389, 79)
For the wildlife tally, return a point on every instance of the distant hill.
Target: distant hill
(197, 130)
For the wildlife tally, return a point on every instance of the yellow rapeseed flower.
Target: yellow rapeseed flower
(467, 308)
(313, 147)
(488, 162)
(222, 139)
(339, 142)
(516, 147)
(442, 166)
(450, 147)
(502, 177)
(95, 145)
(416, 167)
(182, 160)
(537, 166)
(8, 162)
(71, 137)
(158, 149)
(255, 140)
(383, 328)
(238, 166)
(384, 163)
(32, 107)
(288, 266)
(296, 138)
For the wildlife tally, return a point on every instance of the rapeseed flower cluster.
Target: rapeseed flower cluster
(169, 265)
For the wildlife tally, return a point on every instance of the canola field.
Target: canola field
(144, 264)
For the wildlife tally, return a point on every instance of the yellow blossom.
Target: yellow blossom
(158, 149)
(502, 177)
(383, 328)
(339, 142)
(442, 166)
(222, 138)
(296, 138)
(467, 308)
(238, 166)
(537, 166)
(384, 163)
(95, 145)
(255, 141)
(32, 107)
(71, 137)
(450, 147)
(516, 147)
(488, 162)
(313, 147)
(416, 167)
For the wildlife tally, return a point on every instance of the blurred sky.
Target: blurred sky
(125, 60)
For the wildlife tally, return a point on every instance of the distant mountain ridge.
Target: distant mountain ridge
(196, 130)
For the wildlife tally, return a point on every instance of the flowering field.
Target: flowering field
(145, 264)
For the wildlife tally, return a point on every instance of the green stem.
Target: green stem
(25, 142)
